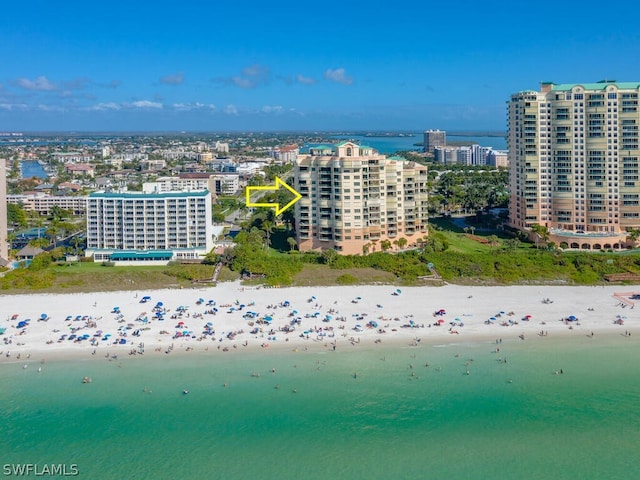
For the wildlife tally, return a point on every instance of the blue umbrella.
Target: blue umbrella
(43, 315)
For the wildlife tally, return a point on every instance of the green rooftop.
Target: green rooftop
(564, 87)
(142, 255)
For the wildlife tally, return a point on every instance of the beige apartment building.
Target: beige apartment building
(573, 162)
(353, 199)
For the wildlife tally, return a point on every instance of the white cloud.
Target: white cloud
(231, 109)
(242, 82)
(50, 108)
(272, 109)
(251, 77)
(107, 106)
(146, 104)
(305, 80)
(13, 106)
(185, 107)
(339, 75)
(41, 83)
(173, 79)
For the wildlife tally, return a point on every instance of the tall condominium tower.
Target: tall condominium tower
(574, 161)
(353, 199)
(433, 139)
(4, 232)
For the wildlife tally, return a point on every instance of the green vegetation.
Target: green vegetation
(46, 273)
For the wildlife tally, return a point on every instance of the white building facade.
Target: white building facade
(138, 227)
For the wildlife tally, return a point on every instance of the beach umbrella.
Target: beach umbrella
(159, 304)
(398, 291)
(493, 319)
(572, 318)
(43, 316)
(209, 324)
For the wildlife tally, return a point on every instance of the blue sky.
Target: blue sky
(218, 66)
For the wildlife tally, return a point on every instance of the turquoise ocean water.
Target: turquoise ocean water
(357, 413)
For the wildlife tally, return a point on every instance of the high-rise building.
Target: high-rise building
(4, 231)
(446, 155)
(433, 139)
(354, 199)
(149, 227)
(574, 162)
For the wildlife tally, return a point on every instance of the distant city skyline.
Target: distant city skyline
(241, 66)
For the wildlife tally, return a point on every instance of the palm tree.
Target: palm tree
(633, 234)
(52, 232)
(292, 243)
(402, 242)
(329, 256)
(267, 228)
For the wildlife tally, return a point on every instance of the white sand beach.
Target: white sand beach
(230, 317)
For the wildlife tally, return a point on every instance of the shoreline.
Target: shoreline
(255, 319)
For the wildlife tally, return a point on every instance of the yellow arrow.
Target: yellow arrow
(279, 183)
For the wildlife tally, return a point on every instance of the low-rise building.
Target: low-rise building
(43, 203)
(79, 169)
